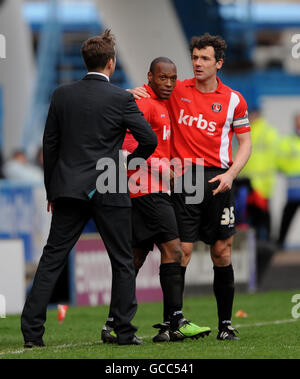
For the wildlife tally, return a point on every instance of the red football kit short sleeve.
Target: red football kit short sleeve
(203, 124)
(148, 179)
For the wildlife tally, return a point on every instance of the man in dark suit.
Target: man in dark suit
(87, 122)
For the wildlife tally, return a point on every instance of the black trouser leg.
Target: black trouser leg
(114, 225)
(68, 220)
(287, 218)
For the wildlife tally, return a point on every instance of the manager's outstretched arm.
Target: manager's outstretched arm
(141, 130)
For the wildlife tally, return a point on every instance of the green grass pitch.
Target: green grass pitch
(269, 331)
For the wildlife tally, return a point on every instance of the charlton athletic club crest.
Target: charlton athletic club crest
(216, 107)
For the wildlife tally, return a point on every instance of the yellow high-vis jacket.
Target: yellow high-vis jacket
(262, 166)
(289, 164)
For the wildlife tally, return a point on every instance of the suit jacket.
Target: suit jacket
(87, 121)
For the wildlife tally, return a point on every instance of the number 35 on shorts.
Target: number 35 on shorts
(228, 217)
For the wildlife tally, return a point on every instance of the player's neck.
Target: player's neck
(208, 85)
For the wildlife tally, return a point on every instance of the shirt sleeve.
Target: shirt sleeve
(241, 122)
(154, 164)
(146, 108)
(129, 144)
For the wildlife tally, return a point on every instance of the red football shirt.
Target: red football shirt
(203, 123)
(148, 179)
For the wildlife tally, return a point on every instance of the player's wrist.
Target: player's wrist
(231, 175)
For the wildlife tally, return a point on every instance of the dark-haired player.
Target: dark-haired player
(153, 216)
(205, 114)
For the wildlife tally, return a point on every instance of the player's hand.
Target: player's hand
(225, 184)
(50, 207)
(139, 93)
(168, 177)
(172, 180)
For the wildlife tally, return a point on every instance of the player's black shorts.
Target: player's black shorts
(211, 220)
(153, 220)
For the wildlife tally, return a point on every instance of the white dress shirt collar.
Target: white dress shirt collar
(98, 73)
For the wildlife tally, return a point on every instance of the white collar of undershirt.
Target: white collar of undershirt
(98, 73)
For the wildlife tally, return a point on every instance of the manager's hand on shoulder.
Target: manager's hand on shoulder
(139, 93)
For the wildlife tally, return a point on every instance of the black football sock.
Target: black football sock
(224, 292)
(166, 310)
(183, 271)
(171, 285)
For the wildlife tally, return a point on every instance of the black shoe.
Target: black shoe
(108, 334)
(31, 344)
(227, 333)
(163, 334)
(135, 341)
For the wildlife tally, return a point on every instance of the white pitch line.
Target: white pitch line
(256, 324)
(54, 347)
(266, 323)
(12, 352)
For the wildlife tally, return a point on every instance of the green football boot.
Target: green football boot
(187, 329)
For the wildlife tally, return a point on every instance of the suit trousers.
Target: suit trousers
(68, 221)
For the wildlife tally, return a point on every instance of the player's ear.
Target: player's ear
(110, 63)
(150, 77)
(220, 64)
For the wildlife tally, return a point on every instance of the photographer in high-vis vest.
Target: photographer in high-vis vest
(261, 170)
